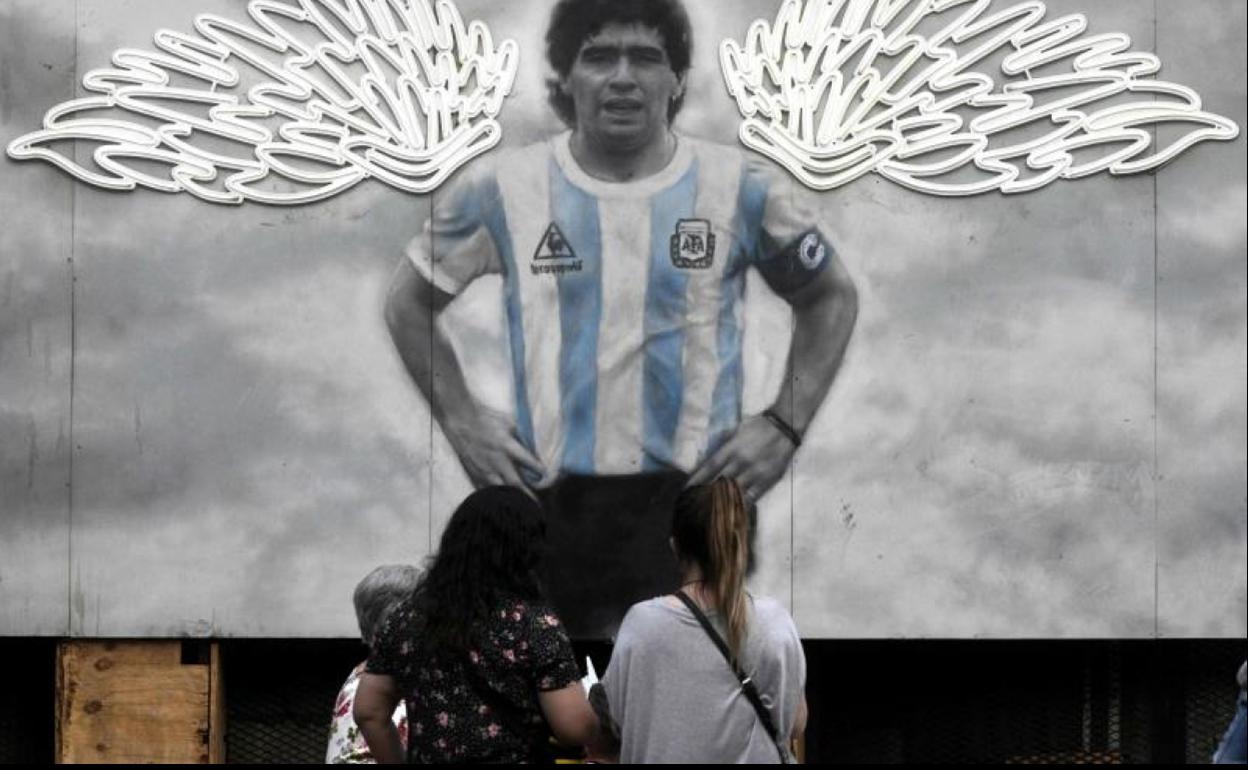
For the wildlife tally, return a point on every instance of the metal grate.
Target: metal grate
(27, 700)
(280, 695)
(1019, 702)
(1209, 698)
(1135, 704)
(1029, 702)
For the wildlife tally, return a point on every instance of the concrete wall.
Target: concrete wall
(1039, 430)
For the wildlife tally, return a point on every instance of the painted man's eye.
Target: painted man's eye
(596, 56)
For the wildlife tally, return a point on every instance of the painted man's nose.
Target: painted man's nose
(623, 77)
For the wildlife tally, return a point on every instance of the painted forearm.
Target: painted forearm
(411, 312)
(823, 318)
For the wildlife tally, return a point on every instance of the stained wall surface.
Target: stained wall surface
(1039, 429)
(35, 329)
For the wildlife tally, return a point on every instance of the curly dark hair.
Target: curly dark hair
(491, 550)
(573, 21)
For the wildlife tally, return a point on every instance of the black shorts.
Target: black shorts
(607, 547)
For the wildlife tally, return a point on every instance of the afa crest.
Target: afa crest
(693, 244)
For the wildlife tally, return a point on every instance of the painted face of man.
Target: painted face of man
(621, 83)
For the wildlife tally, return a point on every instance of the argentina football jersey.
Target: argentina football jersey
(623, 300)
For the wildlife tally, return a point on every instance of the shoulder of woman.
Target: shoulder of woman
(768, 605)
(645, 615)
(774, 615)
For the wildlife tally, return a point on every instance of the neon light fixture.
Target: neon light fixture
(834, 89)
(345, 90)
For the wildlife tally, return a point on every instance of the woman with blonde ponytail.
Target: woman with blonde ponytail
(674, 692)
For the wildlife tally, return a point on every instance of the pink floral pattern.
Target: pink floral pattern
(482, 706)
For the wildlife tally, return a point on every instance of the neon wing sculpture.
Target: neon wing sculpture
(834, 89)
(343, 90)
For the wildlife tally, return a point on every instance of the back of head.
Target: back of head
(711, 528)
(491, 548)
(380, 592)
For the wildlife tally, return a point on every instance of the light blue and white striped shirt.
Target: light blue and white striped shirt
(623, 300)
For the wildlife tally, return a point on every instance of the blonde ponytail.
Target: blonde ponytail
(711, 528)
(729, 552)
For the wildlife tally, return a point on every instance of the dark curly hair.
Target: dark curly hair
(490, 551)
(573, 21)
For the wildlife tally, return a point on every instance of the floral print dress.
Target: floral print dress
(481, 706)
(346, 743)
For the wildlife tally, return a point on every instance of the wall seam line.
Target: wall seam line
(433, 320)
(73, 355)
(1156, 387)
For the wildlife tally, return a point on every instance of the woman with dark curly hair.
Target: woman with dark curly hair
(481, 660)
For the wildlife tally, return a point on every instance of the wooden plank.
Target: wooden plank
(216, 708)
(107, 654)
(131, 702)
(62, 701)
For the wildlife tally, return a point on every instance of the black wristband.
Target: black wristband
(789, 432)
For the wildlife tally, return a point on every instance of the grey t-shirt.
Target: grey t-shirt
(676, 700)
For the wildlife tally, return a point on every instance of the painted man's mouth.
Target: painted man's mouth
(623, 106)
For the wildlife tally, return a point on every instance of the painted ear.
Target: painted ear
(1061, 104)
(417, 95)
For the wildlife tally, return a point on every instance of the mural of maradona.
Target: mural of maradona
(580, 314)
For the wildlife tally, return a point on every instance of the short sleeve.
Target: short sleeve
(782, 668)
(457, 244)
(790, 248)
(550, 651)
(391, 651)
(796, 652)
(614, 680)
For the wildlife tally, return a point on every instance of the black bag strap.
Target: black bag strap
(747, 683)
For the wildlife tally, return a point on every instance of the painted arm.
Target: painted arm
(485, 441)
(375, 701)
(824, 313)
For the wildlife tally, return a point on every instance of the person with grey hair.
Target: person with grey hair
(375, 596)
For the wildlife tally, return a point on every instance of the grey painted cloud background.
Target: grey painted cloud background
(1039, 431)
